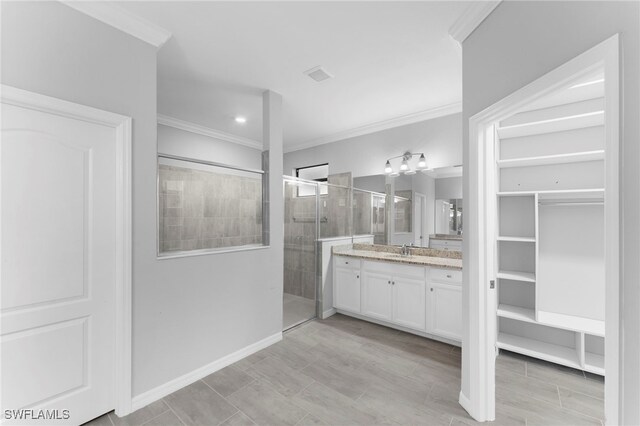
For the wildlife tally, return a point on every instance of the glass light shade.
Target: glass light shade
(404, 166)
(422, 162)
(387, 168)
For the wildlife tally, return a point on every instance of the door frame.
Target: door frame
(479, 336)
(420, 199)
(122, 125)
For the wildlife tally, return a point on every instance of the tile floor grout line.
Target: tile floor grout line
(304, 417)
(219, 423)
(571, 411)
(173, 411)
(559, 397)
(154, 417)
(581, 393)
(110, 419)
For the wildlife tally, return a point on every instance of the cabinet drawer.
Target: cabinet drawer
(346, 262)
(395, 269)
(446, 244)
(450, 276)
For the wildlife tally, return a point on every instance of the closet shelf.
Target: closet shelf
(571, 322)
(547, 351)
(558, 194)
(518, 239)
(517, 276)
(572, 122)
(516, 313)
(594, 363)
(595, 194)
(574, 157)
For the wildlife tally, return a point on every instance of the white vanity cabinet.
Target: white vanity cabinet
(394, 293)
(376, 294)
(420, 299)
(445, 244)
(445, 303)
(346, 281)
(409, 302)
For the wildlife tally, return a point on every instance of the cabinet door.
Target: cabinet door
(376, 295)
(346, 289)
(445, 313)
(409, 303)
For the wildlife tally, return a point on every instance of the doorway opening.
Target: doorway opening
(544, 201)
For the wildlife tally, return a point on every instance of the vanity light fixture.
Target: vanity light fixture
(422, 162)
(240, 119)
(404, 165)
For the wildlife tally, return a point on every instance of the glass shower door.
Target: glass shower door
(300, 235)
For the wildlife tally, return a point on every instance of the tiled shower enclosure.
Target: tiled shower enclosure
(205, 207)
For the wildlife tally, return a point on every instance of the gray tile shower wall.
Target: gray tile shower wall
(201, 209)
(336, 220)
(362, 212)
(299, 243)
(337, 207)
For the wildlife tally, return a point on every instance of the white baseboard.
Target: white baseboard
(171, 386)
(464, 401)
(466, 404)
(326, 314)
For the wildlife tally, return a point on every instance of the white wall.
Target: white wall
(374, 183)
(518, 43)
(449, 188)
(186, 144)
(186, 312)
(440, 139)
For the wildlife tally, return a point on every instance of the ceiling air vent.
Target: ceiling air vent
(318, 74)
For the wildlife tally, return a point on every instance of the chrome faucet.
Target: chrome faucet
(404, 251)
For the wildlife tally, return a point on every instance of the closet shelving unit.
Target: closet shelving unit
(550, 235)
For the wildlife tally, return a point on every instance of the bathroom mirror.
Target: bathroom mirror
(424, 204)
(448, 216)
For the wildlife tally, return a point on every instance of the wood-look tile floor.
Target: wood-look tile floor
(343, 371)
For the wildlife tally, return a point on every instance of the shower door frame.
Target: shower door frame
(318, 289)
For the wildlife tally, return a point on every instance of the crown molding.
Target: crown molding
(120, 18)
(187, 126)
(378, 126)
(471, 19)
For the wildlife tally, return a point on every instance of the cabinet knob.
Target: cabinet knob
(393, 283)
(431, 288)
(448, 275)
(346, 263)
(389, 282)
(357, 276)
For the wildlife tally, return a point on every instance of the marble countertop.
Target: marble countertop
(359, 252)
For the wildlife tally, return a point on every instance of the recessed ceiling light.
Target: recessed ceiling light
(241, 120)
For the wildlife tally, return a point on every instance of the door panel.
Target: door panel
(409, 303)
(58, 263)
(48, 219)
(376, 297)
(446, 310)
(347, 289)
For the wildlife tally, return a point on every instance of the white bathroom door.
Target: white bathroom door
(58, 266)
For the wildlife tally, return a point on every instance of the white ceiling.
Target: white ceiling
(390, 59)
